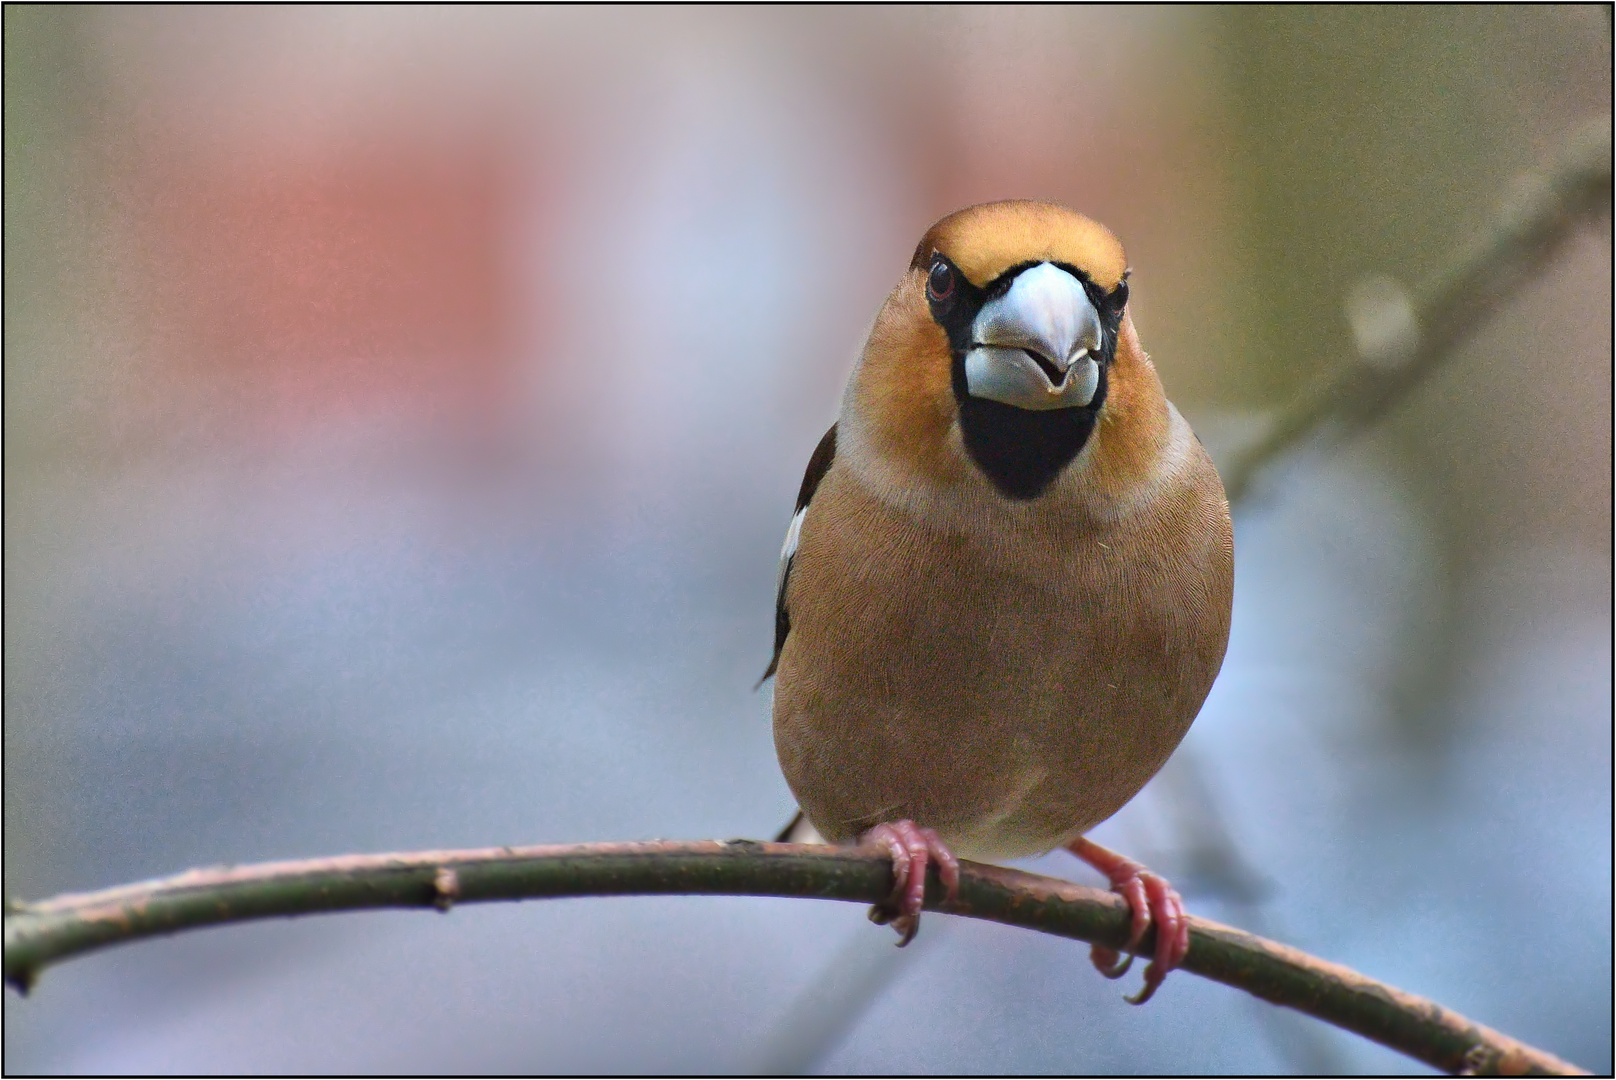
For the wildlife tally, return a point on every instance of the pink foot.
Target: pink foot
(1150, 899)
(911, 848)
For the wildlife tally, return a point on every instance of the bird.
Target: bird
(1005, 590)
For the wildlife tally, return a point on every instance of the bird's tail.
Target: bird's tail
(799, 831)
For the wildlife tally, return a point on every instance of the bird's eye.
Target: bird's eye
(940, 282)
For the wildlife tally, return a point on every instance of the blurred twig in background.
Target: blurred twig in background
(1402, 337)
(37, 935)
(1399, 338)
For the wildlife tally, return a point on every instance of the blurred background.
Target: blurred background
(403, 408)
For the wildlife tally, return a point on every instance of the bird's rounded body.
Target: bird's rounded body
(1028, 681)
(1005, 661)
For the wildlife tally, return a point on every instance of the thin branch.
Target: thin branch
(1542, 214)
(37, 935)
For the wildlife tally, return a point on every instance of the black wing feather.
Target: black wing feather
(818, 466)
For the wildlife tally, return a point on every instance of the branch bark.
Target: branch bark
(40, 934)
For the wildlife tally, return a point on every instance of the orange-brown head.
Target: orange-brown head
(1005, 351)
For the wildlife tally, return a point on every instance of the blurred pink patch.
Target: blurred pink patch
(369, 278)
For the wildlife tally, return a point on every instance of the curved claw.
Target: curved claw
(1109, 962)
(1151, 900)
(912, 848)
(1172, 934)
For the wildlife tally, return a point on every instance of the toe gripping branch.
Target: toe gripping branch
(1151, 900)
(912, 849)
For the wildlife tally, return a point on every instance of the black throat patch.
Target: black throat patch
(1022, 451)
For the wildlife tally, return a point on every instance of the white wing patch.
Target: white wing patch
(789, 548)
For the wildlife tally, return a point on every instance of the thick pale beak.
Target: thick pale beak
(1036, 347)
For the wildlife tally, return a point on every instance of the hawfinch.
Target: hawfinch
(1006, 588)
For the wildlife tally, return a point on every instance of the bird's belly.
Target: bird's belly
(1008, 716)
